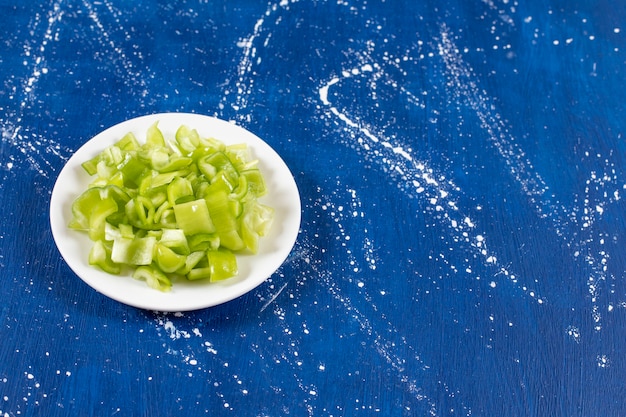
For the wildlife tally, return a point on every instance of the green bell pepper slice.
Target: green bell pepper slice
(193, 217)
(153, 277)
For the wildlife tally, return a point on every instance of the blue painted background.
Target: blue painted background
(461, 169)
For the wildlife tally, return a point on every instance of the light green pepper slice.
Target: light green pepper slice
(193, 217)
(133, 251)
(167, 260)
(100, 256)
(153, 277)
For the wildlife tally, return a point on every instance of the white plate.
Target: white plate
(274, 248)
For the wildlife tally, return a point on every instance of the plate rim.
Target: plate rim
(284, 188)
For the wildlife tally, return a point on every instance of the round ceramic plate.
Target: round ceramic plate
(185, 295)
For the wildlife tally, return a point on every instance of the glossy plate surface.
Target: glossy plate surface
(274, 248)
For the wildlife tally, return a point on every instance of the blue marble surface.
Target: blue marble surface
(461, 169)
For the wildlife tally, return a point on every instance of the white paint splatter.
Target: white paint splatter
(244, 85)
(417, 177)
(531, 182)
(33, 148)
(388, 350)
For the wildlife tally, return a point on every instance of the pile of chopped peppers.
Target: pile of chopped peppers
(172, 208)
